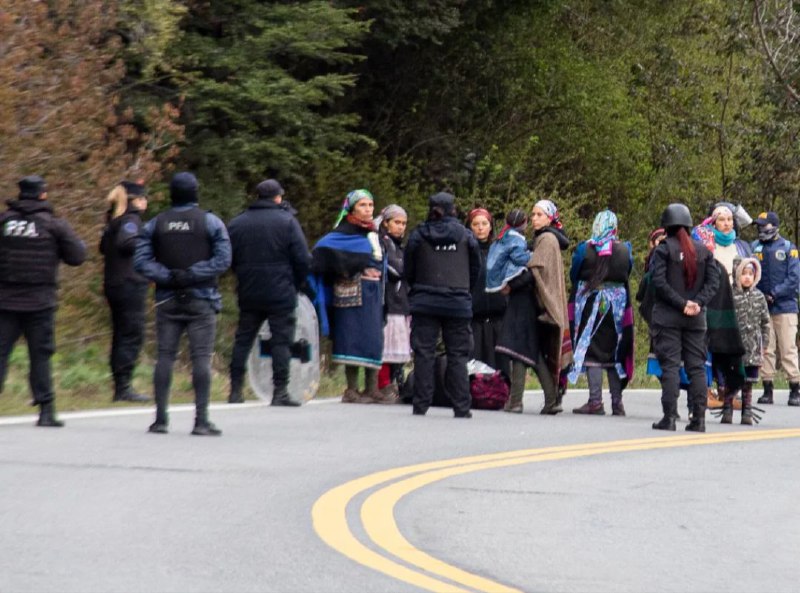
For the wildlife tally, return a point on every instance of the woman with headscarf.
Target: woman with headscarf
(685, 279)
(487, 308)
(601, 316)
(725, 345)
(392, 224)
(350, 268)
(727, 244)
(535, 330)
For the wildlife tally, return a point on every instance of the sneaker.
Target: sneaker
(467, 414)
(158, 428)
(206, 430)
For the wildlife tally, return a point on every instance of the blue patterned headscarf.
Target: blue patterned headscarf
(351, 200)
(704, 234)
(604, 232)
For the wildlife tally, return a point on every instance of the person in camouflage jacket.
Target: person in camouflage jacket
(752, 315)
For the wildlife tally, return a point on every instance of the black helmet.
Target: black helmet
(676, 215)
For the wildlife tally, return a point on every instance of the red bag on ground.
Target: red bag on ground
(489, 391)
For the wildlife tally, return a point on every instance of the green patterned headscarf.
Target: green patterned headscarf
(351, 200)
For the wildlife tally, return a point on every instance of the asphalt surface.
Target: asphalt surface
(101, 505)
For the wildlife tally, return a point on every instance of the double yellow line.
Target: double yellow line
(424, 571)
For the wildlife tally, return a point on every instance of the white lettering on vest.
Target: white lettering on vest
(20, 228)
(181, 226)
(450, 247)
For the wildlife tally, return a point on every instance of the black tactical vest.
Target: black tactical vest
(28, 248)
(445, 266)
(181, 239)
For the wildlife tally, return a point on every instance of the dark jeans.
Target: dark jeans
(673, 345)
(37, 327)
(198, 319)
(127, 304)
(281, 327)
(457, 337)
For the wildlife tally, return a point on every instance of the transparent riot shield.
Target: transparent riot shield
(304, 369)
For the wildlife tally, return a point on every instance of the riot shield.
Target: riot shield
(304, 371)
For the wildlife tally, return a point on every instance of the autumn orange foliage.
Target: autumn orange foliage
(61, 116)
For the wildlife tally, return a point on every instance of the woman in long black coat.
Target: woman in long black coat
(685, 279)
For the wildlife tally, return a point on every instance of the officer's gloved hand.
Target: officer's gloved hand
(180, 278)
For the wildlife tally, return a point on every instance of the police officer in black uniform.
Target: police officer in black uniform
(685, 278)
(125, 290)
(442, 265)
(271, 261)
(184, 250)
(32, 242)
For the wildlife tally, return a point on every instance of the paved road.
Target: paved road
(103, 506)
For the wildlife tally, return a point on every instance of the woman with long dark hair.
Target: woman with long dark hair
(685, 278)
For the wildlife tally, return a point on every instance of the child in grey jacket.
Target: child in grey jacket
(752, 315)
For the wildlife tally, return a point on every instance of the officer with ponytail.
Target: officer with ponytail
(684, 280)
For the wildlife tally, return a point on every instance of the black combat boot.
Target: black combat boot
(47, 416)
(236, 396)
(698, 421)
(280, 397)
(205, 429)
(766, 398)
(668, 421)
(794, 394)
(123, 392)
(161, 425)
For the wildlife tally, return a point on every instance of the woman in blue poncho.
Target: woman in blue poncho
(350, 266)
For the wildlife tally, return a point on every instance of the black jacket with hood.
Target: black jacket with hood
(33, 241)
(442, 263)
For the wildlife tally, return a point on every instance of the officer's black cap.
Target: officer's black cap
(134, 189)
(31, 187)
(268, 189)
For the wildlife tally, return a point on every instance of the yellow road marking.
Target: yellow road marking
(377, 512)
